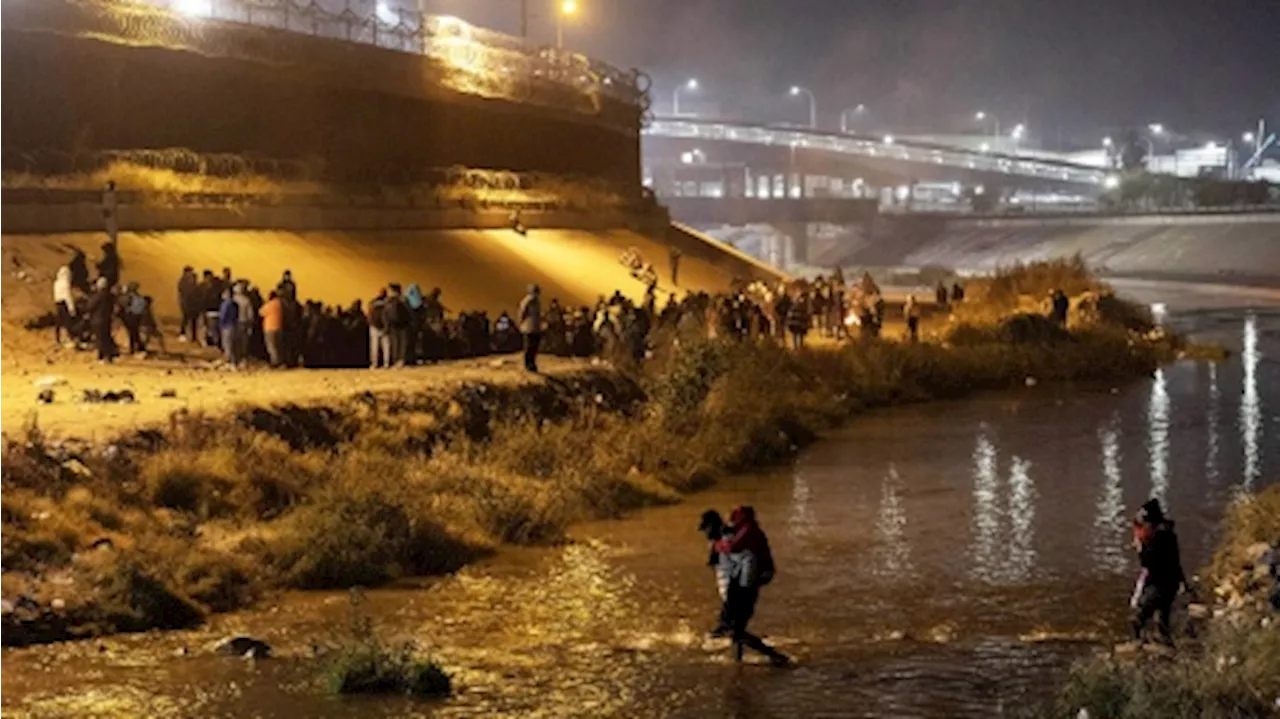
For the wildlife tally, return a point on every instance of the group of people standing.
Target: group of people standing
(85, 309)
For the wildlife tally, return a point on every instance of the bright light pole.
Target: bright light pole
(860, 109)
(1157, 130)
(813, 103)
(981, 116)
(567, 7)
(691, 85)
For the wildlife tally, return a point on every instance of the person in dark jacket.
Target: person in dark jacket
(79, 266)
(109, 265)
(396, 321)
(1060, 304)
(190, 304)
(101, 310)
(750, 568)
(1162, 576)
(714, 527)
(798, 321)
(228, 325)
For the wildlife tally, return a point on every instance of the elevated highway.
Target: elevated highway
(809, 163)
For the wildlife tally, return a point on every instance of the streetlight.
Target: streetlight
(567, 7)
(1157, 130)
(1249, 137)
(860, 109)
(981, 116)
(813, 104)
(1107, 142)
(691, 85)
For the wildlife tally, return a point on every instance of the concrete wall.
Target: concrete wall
(1235, 247)
(372, 115)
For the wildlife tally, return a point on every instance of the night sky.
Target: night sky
(1071, 69)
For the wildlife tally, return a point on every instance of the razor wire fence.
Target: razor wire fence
(468, 58)
(50, 175)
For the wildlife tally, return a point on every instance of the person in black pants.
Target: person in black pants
(1162, 575)
(751, 567)
(102, 308)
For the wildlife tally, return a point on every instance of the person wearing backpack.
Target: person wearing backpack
(133, 310)
(751, 567)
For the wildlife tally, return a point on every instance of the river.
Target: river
(944, 559)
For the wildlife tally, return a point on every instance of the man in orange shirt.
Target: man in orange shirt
(272, 314)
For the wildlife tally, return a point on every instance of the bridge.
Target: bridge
(685, 156)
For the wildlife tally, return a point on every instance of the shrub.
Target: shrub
(369, 666)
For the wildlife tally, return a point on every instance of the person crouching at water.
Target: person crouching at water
(1161, 576)
(750, 568)
(713, 526)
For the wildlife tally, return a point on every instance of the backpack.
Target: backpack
(766, 568)
(136, 306)
(376, 309)
(395, 313)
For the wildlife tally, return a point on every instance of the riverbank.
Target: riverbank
(1228, 664)
(169, 524)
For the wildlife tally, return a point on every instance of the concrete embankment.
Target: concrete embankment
(477, 268)
(1242, 248)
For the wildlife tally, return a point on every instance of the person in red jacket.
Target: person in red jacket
(751, 567)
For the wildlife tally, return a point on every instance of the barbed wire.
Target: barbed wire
(466, 58)
(252, 179)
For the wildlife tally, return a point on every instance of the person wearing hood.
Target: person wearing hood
(79, 266)
(531, 326)
(109, 265)
(102, 308)
(64, 305)
(713, 526)
(1161, 576)
(750, 568)
(416, 305)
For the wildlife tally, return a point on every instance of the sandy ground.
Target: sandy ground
(197, 387)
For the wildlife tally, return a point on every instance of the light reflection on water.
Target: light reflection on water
(1250, 403)
(1158, 436)
(957, 581)
(986, 509)
(1109, 523)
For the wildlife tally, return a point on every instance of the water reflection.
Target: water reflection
(1108, 523)
(1022, 517)
(986, 511)
(1158, 435)
(801, 520)
(892, 553)
(1211, 471)
(1250, 404)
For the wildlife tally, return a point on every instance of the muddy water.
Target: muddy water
(938, 560)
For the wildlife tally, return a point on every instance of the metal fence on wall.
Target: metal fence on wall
(497, 58)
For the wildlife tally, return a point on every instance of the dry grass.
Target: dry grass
(378, 487)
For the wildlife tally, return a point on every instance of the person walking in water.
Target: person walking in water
(750, 568)
(713, 526)
(1161, 576)
(531, 326)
